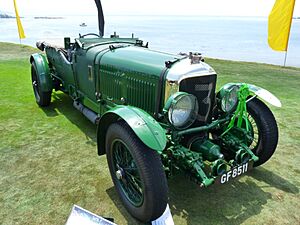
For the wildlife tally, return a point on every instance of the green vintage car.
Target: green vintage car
(157, 114)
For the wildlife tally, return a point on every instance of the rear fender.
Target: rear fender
(146, 128)
(43, 72)
(260, 92)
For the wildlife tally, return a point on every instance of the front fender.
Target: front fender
(146, 128)
(260, 92)
(42, 69)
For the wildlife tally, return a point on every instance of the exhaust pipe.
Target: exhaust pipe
(100, 18)
(89, 114)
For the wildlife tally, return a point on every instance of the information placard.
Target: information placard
(165, 219)
(81, 216)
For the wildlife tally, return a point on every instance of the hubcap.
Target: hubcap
(119, 174)
(35, 86)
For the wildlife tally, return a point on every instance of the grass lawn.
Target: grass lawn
(48, 158)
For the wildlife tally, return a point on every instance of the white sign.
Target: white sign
(165, 219)
(80, 216)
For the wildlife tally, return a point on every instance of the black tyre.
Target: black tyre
(265, 130)
(42, 98)
(137, 173)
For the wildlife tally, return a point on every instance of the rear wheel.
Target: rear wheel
(42, 98)
(137, 173)
(265, 130)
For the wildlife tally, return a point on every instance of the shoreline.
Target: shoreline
(205, 57)
(237, 38)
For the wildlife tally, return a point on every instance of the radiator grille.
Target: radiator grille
(203, 88)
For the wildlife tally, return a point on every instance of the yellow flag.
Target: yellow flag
(279, 26)
(20, 27)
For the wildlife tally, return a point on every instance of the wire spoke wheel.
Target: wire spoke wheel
(127, 173)
(254, 132)
(137, 173)
(264, 130)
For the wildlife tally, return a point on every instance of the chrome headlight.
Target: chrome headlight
(182, 110)
(229, 98)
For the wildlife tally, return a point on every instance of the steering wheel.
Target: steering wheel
(89, 34)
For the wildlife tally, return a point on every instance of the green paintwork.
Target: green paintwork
(237, 139)
(142, 60)
(63, 68)
(240, 113)
(208, 149)
(214, 124)
(191, 162)
(90, 103)
(255, 91)
(42, 68)
(121, 79)
(132, 73)
(89, 43)
(172, 100)
(144, 126)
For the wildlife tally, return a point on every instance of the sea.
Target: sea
(233, 38)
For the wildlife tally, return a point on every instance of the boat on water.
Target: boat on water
(83, 25)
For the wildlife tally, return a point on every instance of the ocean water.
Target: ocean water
(235, 38)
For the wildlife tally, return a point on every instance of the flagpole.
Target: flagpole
(279, 26)
(19, 24)
(288, 37)
(288, 41)
(285, 58)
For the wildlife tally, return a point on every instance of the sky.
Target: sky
(143, 7)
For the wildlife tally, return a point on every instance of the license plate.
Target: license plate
(234, 172)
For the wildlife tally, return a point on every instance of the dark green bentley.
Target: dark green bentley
(157, 113)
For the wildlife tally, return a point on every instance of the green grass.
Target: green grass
(48, 159)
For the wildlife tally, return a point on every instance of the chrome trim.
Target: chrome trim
(182, 70)
(171, 87)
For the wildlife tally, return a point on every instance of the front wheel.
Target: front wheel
(265, 130)
(137, 173)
